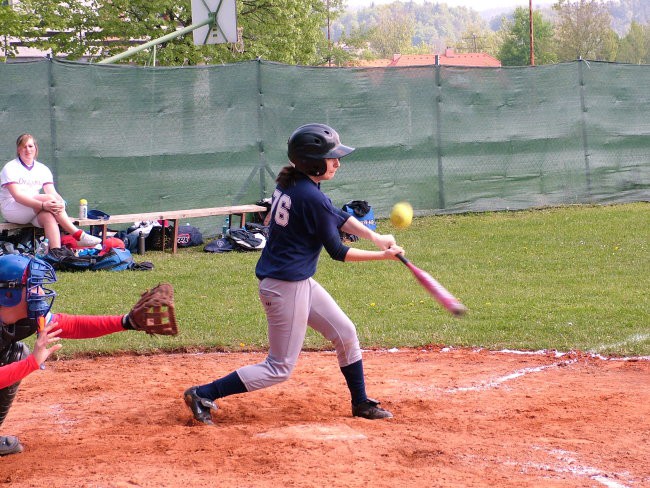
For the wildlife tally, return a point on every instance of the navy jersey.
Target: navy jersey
(303, 221)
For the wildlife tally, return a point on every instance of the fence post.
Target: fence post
(441, 183)
(583, 118)
(260, 130)
(263, 166)
(54, 162)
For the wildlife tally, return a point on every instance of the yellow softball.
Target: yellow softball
(402, 215)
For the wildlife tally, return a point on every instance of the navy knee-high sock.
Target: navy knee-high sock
(228, 385)
(354, 377)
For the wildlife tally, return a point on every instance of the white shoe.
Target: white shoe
(86, 240)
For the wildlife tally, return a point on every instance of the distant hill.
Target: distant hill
(439, 25)
(436, 24)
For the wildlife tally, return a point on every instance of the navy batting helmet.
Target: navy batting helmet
(311, 144)
(18, 272)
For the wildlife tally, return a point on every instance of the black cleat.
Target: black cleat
(200, 407)
(370, 409)
(10, 445)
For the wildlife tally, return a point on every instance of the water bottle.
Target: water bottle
(141, 243)
(43, 248)
(83, 208)
(226, 227)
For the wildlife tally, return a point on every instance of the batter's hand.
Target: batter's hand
(384, 241)
(47, 336)
(393, 251)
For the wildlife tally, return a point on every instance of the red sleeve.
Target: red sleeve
(87, 326)
(13, 372)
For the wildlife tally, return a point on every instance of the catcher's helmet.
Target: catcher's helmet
(18, 272)
(311, 144)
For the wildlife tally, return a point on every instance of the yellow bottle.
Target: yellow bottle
(83, 208)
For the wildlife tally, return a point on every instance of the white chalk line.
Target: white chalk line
(633, 339)
(569, 464)
(557, 354)
(495, 383)
(484, 385)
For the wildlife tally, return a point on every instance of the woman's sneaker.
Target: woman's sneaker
(199, 406)
(370, 409)
(10, 445)
(86, 240)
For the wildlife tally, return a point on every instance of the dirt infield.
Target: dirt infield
(463, 418)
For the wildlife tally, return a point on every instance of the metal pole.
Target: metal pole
(210, 20)
(329, 41)
(532, 43)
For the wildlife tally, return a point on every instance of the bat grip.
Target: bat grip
(402, 258)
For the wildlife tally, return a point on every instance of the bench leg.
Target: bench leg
(174, 238)
(242, 219)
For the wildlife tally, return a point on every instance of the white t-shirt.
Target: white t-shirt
(32, 178)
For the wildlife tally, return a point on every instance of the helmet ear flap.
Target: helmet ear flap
(13, 278)
(26, 278)
(311, 167)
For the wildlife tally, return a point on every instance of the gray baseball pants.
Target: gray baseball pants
(290, 307)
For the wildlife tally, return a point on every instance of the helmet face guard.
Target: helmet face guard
(39, 297)
(18, 273)
(311, 144)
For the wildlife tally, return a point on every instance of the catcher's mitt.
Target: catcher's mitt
(154, 312)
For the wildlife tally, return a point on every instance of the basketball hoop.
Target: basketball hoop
(224, 28)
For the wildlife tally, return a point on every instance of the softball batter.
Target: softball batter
(303, 221)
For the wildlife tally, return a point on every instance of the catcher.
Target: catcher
(25, 302)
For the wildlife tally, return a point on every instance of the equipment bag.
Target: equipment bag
(189, 236)
(114, 260)
(244, 240)
(363, 213)
(154, 240)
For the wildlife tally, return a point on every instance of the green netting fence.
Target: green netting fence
(447, 139)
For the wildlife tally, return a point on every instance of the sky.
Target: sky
(478, 5)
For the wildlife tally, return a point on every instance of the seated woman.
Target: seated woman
(22, 202)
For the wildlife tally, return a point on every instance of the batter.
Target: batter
(302, 222)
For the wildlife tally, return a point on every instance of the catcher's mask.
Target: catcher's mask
(18, 272)
(311, 144)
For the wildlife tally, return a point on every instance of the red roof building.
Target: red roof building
(449, 58)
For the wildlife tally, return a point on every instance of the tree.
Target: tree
(515, 50)
(583, 30)
(288, 31)
(478, 39)
(13, 23)
(393, 33)
(635, 46)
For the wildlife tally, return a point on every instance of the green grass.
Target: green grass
(571, 278)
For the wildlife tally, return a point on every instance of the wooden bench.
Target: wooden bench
(172, 215)
(10, 226)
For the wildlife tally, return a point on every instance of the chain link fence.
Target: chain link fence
(447, 139)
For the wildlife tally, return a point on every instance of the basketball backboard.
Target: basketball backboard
(225, 26)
